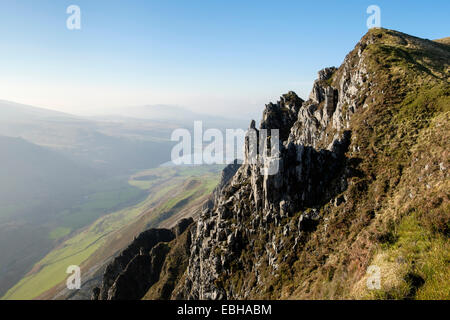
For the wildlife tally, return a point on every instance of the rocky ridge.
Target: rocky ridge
(312, 171)
(261, 224)
(343, 196)
(135, 269)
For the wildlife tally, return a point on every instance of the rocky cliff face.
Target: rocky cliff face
(246, 243)
(312, 171)
(131, 274)
(352, 160)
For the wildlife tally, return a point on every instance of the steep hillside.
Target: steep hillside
(363, 181)
(362, 185)
(37, 181)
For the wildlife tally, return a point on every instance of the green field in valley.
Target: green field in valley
(165, 189)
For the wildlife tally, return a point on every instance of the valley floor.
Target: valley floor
(173, 193)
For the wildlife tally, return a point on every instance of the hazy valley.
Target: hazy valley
(60, 173)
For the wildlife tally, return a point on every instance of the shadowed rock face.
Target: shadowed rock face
(281, 115)
(95, 293)
(141, 272)
(143, 243)
(312, 171)
(131, 274)
(181, 226)
(175, 264)
(228, 172)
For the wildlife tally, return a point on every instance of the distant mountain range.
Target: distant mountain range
(180, 116)
(14, 112)
(125, 144)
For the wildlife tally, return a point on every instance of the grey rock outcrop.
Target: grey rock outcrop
(181, 226)
(130, 260)
(140, 273)
(312, 171)
(227, 173)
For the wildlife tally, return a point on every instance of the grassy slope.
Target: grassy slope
(172, 270)
(397, 214)
(91, 242)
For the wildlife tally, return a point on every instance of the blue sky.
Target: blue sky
(223, 57)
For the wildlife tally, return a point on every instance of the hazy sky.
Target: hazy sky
(213, 56)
